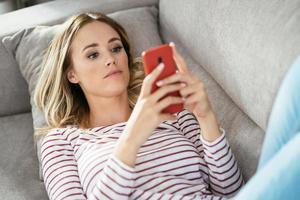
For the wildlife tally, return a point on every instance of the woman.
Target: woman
(108, 139)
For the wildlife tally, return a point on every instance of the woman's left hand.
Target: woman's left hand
(196, 99)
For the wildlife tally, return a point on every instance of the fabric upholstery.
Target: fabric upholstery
(56, 12)
(13, 91)
(247, 46)
(18, 162)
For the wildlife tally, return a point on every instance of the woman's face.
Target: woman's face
(96, 51)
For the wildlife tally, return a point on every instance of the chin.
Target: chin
(115, 90)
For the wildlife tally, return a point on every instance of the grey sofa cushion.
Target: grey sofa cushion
(55, 12)
(247, 46)
(13, 87)
(19, 165)
(29, 45)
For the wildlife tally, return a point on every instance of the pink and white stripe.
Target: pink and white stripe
(174, 163)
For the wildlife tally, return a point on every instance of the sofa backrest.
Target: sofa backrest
(56, 12)
(247, 46)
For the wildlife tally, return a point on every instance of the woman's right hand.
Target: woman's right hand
(147, 115)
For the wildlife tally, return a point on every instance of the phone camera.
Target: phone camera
(159, 59)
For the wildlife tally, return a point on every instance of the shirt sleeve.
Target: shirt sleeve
(59, 167)
(61, 177)
(116, 181)
(221, 170)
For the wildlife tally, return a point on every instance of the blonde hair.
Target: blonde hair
(62, 102)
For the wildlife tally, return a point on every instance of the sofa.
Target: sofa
(241, 50)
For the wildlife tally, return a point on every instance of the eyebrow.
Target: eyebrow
(96, 44)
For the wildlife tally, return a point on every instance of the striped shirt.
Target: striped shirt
(174, 163)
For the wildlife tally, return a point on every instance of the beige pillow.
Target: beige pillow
(29, 45)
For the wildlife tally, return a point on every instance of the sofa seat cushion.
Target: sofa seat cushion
(19, 164)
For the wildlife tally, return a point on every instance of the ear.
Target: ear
(71, 75)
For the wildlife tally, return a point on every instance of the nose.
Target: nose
(110, 60)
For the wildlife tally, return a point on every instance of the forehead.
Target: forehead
(96, 31)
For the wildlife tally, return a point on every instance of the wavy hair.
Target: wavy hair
(62, 102)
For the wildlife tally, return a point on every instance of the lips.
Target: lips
(112, 72)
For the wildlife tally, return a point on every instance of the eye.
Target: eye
(117, 49)
(93, 56)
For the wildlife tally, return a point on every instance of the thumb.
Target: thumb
(151, 78)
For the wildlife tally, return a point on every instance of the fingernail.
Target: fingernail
(160, 66)
(182, 84)
(159, 83)
(172, 44)
(183, 99)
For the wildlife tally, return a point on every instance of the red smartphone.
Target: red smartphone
(151, 59)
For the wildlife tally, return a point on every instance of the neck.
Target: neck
(109, 110)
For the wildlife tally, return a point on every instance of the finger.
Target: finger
(179, 59)
(194, 98)
(190, 89)
(161, 92)
(150, 79)
(178, 77)
(168, 101)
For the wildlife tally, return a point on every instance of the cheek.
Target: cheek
(123, 65)
(90, 74)
(88, 69)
